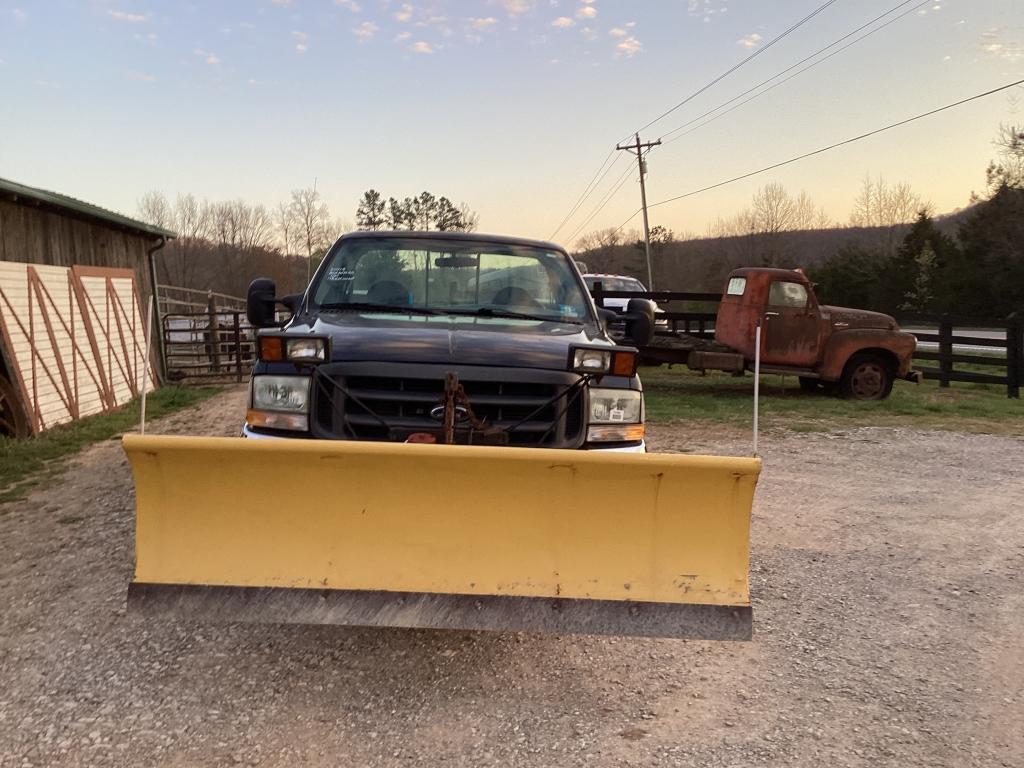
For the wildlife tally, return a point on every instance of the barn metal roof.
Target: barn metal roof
(12, 190)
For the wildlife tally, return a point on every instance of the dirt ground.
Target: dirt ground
(888, 588)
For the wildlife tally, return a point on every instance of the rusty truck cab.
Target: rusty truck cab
(784, 301)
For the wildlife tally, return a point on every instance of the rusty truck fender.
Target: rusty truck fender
(897, 346)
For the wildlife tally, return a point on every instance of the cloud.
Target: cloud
(562, 22)
(752, 40)
(301, 41)
(629, 46)
(133, 18)
(404, 13)
(482, 24)
(618, 32)
(19, 14)
(586, 12)
(995, 42)
(706, 9)
(421, 47)
(402, 36)
(516, 7)
(352, 5)
(365, 31)
(209, 58)
(141, 77)
(282, 3)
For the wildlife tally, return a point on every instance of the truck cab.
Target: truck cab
(449, 338)
(862, 352)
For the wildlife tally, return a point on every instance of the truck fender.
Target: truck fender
(897, 346)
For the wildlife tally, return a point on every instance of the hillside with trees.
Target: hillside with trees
(223, 245)
(893, 256)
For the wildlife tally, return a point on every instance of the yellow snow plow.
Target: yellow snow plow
(442, 536)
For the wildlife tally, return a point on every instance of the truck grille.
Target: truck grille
(381, 401)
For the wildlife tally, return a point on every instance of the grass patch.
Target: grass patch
(681, 394)
(25, 464)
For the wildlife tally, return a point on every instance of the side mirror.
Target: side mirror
(639, 317)
(606, 316)
(260, 302)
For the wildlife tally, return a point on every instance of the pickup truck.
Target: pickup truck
(449, 338)
(859, 351)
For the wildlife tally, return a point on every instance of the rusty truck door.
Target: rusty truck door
(791, 325)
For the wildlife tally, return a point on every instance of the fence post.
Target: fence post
(214, 333)
(946, 351)
(238, 349)
(1014, 355)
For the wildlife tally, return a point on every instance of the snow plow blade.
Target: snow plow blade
(442, 536)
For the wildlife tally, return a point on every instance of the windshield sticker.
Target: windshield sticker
(340, 275)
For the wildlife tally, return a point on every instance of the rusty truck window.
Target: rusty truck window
(737, 285)
(783, 294)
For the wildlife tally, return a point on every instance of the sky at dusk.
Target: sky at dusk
(508, 105)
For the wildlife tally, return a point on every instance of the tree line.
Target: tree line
(894, 255)
(222, 245)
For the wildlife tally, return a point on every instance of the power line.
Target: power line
(591, 188)
(828, 148)
(586, 192)
(794, 66)
(735, 67)
(619, 182)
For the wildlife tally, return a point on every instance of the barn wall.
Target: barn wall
(39, 236)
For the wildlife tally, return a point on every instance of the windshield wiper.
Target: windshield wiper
(511, 314)
(363, 306)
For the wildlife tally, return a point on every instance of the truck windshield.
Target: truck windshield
(444, 277)
(612, 283)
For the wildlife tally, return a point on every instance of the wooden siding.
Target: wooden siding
(36, 235)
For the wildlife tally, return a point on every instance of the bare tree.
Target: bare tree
(284, 220)
(886, 207)
(311, 216)
(156, 210)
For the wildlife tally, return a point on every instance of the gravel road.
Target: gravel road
(889, 614)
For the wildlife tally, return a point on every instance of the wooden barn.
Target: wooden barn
(74, 279)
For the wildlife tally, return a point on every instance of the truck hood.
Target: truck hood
(441, 339)
(861, 318)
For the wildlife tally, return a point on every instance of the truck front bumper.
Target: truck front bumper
(641, 447)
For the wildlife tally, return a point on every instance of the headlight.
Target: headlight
(299, 350)
(591, 360)
(616, 406)
(281, 393)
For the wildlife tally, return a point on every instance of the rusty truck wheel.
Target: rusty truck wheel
(12, 418)
(867, 377)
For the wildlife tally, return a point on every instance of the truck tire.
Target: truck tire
(867, 377)
(13, 422)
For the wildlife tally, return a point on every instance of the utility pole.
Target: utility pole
(640, 150)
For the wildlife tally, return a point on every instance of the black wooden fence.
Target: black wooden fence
(1002, 339)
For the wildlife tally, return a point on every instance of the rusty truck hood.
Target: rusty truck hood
(860, 318)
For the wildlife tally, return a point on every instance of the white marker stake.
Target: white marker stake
(757, 378)
(145, 366)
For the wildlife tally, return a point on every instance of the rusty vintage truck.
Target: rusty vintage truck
(860, 352)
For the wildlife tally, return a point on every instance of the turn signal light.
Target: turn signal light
(271, 349)
(624, 363)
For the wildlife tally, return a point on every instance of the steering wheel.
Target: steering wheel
(513, 296)
(388, 292)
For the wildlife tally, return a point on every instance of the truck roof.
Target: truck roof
(464, 237)
(790, 274)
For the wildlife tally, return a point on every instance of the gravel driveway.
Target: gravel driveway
(889, 618)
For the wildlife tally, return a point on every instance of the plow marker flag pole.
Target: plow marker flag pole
(467, 537)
